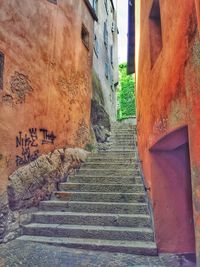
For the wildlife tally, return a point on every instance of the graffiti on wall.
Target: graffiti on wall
(28, 143)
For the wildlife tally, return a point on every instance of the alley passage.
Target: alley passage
(102, 206)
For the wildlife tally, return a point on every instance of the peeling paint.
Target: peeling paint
(20, 87)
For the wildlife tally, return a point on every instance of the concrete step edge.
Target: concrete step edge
(67, 213)
(90, 227)
(109, 176)
(99, 193)
(97, 184)
(95, 203)
(109, 164)
(127, 169)
(139, 247)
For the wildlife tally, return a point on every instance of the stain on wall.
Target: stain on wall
(19, 87)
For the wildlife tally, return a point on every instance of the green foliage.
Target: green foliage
(125, 94)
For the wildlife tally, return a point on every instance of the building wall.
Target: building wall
(102, 54)
(168, 116)
(46, 94)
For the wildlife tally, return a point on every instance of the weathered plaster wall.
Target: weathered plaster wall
(47, 79)
(168, 99)
(104, 56)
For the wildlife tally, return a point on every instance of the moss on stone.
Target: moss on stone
(97, 92)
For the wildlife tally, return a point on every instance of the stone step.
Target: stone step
(109, 172)
(86, 187)
(103, 160)
(130, 134)
(112, 157)
(109, 165)
(122, 137)
(123, 151)
(99, 197)
(113, 154)
(122, 148)
(123, 142)
(122, 128)
(121, 246)
(105, 179)
(94, 207)
(89, 231)
(103, 219)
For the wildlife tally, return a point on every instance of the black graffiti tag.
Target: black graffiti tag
(48, 137)
(28, 143)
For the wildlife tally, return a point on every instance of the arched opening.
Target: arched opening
(172, 193)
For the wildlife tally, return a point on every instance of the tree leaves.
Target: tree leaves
(126, 94)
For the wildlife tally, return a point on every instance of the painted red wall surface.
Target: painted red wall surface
(47, 78)
(168, 116)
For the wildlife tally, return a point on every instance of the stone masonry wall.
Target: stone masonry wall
(33, 183)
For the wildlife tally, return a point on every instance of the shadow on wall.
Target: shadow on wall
(100, 119)
(172, 193)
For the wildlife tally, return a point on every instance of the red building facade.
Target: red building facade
(168, 118)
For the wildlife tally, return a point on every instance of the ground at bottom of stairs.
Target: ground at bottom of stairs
(29, 254)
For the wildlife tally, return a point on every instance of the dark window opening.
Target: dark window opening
(55, 2)
(85, 37)
(155, 31)
(105, 34)
(106, 5)
(106, 70)
(95, 6)
(111, 56)
(96, 46)
(1, 70)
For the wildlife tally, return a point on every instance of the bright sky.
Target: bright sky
(122, 11)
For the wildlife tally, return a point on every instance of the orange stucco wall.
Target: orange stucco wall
(46, 81)
(168, 98)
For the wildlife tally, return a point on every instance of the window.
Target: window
(96, 46)
(1, 70)
(155, 31)
(113, 27)
(105, 34)
(106, 5)
(111, 55)
(111, 81)
(112, 12)
(106, 70)
(85, 36)
(55, 2)
(95, 6)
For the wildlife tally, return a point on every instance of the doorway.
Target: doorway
(172, 193)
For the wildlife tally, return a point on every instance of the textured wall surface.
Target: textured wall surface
(104, 56)
(32, 183)
(168, 101)
(45, 101)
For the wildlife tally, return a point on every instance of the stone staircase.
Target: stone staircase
(102, 207)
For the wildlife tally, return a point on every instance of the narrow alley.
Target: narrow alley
(99, 133)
